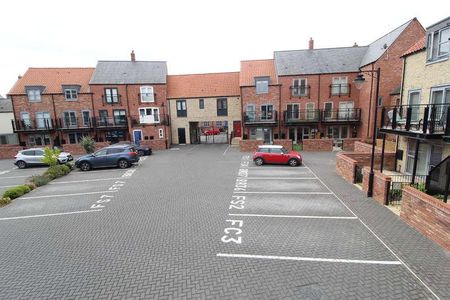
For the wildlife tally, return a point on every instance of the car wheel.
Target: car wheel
(21, 164)
(123, 164)
(141, 152)
(259, 161)
(293, 162)
(85, 166)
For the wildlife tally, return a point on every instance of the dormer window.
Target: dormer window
(147, 94)
(262, 85)
(438, 44)
(34, 93)
(71, 94)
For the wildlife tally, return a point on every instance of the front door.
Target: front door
(237, 128)
(137, 134)
(181, 136)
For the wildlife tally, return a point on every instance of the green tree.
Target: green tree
(88, 144)
(51, 156)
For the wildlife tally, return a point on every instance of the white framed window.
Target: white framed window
(111, 95)
(346, 110)
(71, 94)
(43, 120)
(86, 118)
(70, 118)
(438, 44)
(262, 85)
(147, 94)
(339, 85)
(26, 121)
(206, 124)
(299, 87)
(327, 110)
(34, 95)
(414, 102)
(161, 133)
(293, 111)
(149, 115)
(310, 112)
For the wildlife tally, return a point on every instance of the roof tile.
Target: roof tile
(257, 68)
(420, 45)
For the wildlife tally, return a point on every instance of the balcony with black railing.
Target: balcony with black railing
(33, 125)
(342, 115)
(155, 119)
(423, 121)
(302, 116)
(75, 123)
(260, 117)
(111, 122)
(300, 90)
(340, 90)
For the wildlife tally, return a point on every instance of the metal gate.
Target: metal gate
(213, 132)
(397, 184)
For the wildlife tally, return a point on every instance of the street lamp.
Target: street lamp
(358, 83)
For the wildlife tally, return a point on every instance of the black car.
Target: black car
(122, 156)
(141, 150)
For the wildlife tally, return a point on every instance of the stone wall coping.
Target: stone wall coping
(416, 194)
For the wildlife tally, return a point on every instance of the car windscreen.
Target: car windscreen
(284, 150)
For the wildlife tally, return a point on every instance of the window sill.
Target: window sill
(438, 60)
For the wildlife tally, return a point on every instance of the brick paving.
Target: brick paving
(160, 235)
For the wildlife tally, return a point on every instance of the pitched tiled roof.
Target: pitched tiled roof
(203, 85)
(378, 47)
(53, 79)
(420, 45)
(257, 68)
(319, 61)
(128, 72)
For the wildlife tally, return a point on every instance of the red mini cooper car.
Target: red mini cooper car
(273, 154)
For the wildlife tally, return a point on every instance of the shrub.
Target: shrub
(31, 185)
(39, 180)
(70, 165)
(51, 156)
(88, 144)
(57, 171)
(4, 201)
(16, 191)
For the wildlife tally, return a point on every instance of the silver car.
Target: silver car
(34, 156)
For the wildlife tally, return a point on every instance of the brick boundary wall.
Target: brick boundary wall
(249, 145)
(345, 167)
(365, 148)
(155, 144)
(286, 143)
(318, 145)
(8, 151)
(349, 144)
(77, 149)
(426, 214)
(381, 185)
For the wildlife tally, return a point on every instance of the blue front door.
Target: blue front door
(137, 137)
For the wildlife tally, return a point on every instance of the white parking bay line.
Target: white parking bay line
(67, 195)
(282, 178)
(286, 193)
(11, 177)
(313, 259)
(51, 215)
(7, 186)
(293, 216)
(87, 180)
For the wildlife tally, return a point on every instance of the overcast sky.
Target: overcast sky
(192, 36)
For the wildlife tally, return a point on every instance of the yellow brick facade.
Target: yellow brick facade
(420, 76)
(207, 114)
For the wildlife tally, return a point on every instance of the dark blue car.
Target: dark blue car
(122, 156)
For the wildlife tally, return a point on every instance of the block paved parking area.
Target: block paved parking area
(204, 222)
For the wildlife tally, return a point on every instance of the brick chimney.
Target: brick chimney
(311, 43)
(355, 45)
(133, 56)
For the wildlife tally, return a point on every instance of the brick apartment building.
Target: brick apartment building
(204, 108)
(260, 95)
(52, 106)
(130, 102)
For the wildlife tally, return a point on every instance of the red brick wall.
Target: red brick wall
(159, 144)
(426, 214)
(391, 66)
(285, 143)
(77, 149)
(249, 145)
(345, 167)
(363, 159)
(381, 185)
(9, 151)
(349, 144)
(361, 147)
(318, 145)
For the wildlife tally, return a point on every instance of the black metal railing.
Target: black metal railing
(111, 122)
(156, 119)
(399, 181)
(301, 116)
(260, 117)
(37, 124)
(425, 119)
(340, 90)
(75, 123)
(358, 174)
(300, 90)
(438, 180)
(341, 115)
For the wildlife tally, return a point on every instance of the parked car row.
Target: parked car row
(121, 155)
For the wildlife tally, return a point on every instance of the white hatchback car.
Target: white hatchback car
(34, 156)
